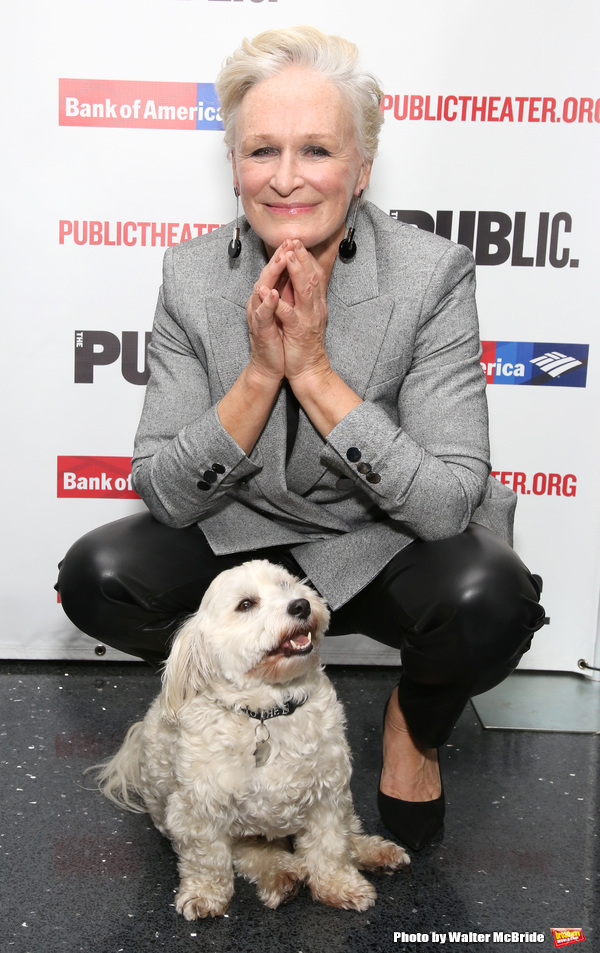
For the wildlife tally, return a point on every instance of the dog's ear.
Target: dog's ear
(184, 675)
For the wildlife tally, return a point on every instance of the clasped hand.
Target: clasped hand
(287, 317)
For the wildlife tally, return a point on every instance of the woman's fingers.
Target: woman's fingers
(287, 313)
(302, 313)
(307, 281)
(304, 298)
(268, 300)
(265, 335)
(272, 275)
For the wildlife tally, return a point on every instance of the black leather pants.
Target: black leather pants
(461, 610)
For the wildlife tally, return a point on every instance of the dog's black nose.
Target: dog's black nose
(299, 608)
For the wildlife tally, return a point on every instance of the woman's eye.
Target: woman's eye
(269, 151)
(245, 605)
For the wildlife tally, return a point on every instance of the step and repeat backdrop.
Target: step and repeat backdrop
(112, 151)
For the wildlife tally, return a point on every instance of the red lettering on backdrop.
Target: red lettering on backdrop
(120, 103)
(95, 478)
(540, 484)
(131, 233)
(522, 109)
(488, 360)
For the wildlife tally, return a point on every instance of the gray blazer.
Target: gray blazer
(411, 461)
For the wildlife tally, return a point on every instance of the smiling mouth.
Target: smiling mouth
(290, 209)
(298, 643)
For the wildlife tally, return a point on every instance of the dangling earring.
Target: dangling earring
(347, 247)
(235, 245)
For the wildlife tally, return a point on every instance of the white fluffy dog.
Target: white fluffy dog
(245, 747)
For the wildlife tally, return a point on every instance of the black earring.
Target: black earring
(347, 248)
(235, 245)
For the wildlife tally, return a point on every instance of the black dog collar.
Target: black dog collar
(263, 714)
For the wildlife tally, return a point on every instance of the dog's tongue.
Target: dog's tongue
(300, 643)
(301, 639)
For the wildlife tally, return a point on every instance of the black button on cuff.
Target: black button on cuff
(203, 485)
(373, 478)
(210, 476)
(218, 468)
(353, 454)
(364, 468)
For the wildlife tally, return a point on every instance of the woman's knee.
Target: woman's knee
(498, 606)
(90, 578)
(483, 612)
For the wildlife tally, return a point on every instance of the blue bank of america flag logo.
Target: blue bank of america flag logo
(525, 362)
(555, 363)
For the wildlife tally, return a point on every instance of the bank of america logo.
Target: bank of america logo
(554, 363)
(138, 105)
(526, 362)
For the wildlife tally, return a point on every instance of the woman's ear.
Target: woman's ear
(365, 177)
(184, 672)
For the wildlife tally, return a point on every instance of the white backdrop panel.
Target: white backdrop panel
(518, 170)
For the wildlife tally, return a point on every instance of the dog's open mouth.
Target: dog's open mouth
(296, 643)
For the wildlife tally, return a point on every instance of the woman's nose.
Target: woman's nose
(286, 176)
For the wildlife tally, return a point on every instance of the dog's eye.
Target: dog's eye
(245, 605)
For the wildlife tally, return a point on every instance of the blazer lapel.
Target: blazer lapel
(227, 322)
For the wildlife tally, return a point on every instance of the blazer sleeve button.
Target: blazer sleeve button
(203, 485)
(218, 468)
(373, 478)
(364, 467)
(353, 454)
(210, 476)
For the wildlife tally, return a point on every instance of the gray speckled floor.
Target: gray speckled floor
(520, 850)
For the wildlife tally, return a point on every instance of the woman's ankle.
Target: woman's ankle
(410, 770)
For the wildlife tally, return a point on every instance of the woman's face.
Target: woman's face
(296, 161)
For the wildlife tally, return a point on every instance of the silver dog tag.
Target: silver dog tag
(262, 753)
(263, 748)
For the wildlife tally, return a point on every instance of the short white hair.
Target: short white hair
(333, 57)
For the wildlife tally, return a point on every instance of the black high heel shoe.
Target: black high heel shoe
(413, 823)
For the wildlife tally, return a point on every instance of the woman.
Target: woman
(317, 399)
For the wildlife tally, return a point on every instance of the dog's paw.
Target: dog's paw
(345, 889)
(278, 889)
(195, 903)
(377, 854)
(389, 857)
